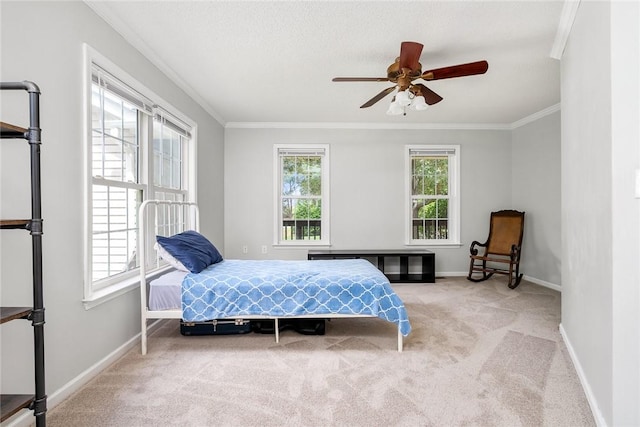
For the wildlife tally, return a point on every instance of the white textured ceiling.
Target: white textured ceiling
(273, 61)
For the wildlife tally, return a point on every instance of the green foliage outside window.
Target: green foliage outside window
(301, 197)
(307, 209)
(430, 191)
(434, 209)
(430, 176)
(301, 176)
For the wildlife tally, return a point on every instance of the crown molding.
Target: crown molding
(391, 126)
(568, 15)
(102, 10)
(396, 126)
(535, 116)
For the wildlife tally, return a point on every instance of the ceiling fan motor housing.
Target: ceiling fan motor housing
(402, 77)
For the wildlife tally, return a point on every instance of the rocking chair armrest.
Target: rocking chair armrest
(473, 249)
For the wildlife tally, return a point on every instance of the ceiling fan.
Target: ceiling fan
(405, 70)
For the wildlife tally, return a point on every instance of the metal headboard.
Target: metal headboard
(163, 218)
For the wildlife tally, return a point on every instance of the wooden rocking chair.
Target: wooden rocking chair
(503, 245)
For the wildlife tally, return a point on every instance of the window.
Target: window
(170, 140)
(116, 191)
(302, 195)
(138, 151)
(433, 195)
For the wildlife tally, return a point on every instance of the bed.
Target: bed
(217, 288)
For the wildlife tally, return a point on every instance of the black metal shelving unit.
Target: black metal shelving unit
(427, 273)
(10, 404)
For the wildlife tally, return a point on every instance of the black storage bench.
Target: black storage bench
(427, 263)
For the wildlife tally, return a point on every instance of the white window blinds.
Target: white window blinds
(418, 152)
(171, 121)
(111, 83)
(301, 151)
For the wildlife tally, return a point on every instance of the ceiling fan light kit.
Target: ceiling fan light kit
(404, 99)
(419, 104)
(404, 71)
(396, 109)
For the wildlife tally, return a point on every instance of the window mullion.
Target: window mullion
(128, 226)
(123, 163)
(103, 132)
(108, 231)
(145, 146)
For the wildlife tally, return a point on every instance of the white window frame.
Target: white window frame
(454, 195)
(277, 185)
(96, 293)
(177, 125)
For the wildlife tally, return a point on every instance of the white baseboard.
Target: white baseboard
(543, 283)
(451, 273)
(525, 277)
(26, 419)
(593, 403)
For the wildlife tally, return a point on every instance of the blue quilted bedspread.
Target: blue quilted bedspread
(276, 288)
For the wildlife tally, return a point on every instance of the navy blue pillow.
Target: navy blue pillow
(192, 249)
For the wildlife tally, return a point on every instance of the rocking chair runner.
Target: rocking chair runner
(503, 245)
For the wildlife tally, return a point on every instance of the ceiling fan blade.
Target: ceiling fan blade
(360, 79)
(430, 96)
(410, 55)
(378, 97)
(461, 70)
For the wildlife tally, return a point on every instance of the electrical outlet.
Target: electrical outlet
(264, 249)
(245, 249)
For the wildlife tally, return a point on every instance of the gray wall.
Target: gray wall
(76, 339)
(367, 186)
(42, 42)
(536, 190)
(600, 216)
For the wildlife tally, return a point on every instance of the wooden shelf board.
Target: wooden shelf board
(11, 313)
(14, 223)
(11, 131)
(10, 404)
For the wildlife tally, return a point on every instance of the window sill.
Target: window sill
(110, 292)
(301, 245)
(436, 245)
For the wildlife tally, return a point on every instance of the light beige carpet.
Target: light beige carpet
(479, 354)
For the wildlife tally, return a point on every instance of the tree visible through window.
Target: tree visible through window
(301, 190)
(429, 190)
(432, 199)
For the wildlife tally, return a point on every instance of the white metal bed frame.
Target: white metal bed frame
(179, 217)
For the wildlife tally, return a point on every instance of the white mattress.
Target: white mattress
(164, 292)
